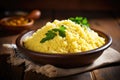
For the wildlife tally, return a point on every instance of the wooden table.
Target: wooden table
(108, 22)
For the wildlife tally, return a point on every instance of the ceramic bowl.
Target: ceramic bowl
(63, 60)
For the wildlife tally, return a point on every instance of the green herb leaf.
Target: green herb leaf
(55, 29)
(62, 31)
(85, 22)
(49, 35)
(62, 27)
(80, 20)
(52, 33)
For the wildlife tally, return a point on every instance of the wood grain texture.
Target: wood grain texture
(110, 26)
(33, 76)
(9, 72)
(108, 73)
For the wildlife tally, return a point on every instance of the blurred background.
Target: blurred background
(60, 4)
(8, 7)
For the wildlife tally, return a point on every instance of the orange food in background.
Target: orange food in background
(16, 21)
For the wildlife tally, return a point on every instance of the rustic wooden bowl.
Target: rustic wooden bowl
(63, 60)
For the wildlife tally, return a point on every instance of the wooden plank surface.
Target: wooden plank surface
(108, 73)
(33, 76)
(9, 72)
(110, 26)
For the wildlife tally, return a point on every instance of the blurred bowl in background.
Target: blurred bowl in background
(16, 23)
(19, 23)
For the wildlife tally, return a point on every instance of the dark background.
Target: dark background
(109, 5)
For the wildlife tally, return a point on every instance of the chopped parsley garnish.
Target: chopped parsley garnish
(52, 33)
(61, 30)
(80, 20)
(49, 35)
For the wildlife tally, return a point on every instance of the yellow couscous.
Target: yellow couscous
(76, 39)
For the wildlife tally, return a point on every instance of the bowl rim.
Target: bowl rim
(12, 17)
(105, 46)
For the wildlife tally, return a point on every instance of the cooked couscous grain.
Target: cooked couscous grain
(77, 39)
